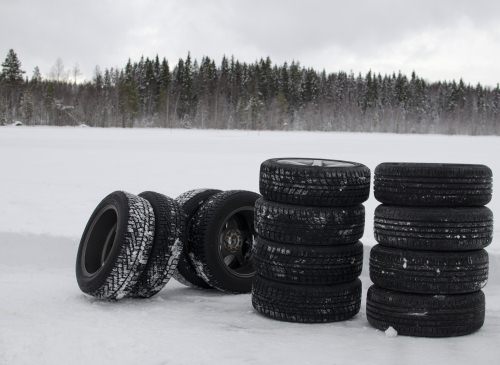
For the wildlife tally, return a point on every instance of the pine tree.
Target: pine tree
(37, 76)
(186, 97)
(164, 96)
(11, 69)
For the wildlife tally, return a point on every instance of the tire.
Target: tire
(190, 202)
(425, 315)
(223, 228)
(434, 229)
(167, 245)
(308, 265)
(300, 225)
(115, 246)
(315, 182)
(428, 272)
(306, 303)
(433, 184)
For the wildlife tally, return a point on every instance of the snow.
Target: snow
(52, 179)
(391, 332)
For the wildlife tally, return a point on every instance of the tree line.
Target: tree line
(240, 95)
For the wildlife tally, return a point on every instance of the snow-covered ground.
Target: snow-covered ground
(52, 178)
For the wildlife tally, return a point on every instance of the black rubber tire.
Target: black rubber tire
(308, 265)
(115, 246)
(432, 184)
(425, 315)
(190, 202)
(306, 303)
(314, 185)
(203, 236)
(300, 225)
(434, 228)
(426, 272)
(167, 245)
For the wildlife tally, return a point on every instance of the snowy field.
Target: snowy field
(52, 178)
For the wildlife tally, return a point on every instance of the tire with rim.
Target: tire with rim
(301, 225)
(221, 238)
(308, 265)
(115, 246)
(432, 184)
(427, 272)
(167, 245)
(425, 315)
(306, 303)
(190, 202)
(314, 182)
(434, 229)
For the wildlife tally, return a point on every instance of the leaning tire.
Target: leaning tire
(300, 225)
(306, 303)
(428, 272)
(167, 245)
(425, 315)
(115, 246)
(432, 184)
(434, 229)
(308, 265)
(314, 182)
(190, 202)
(221, 239)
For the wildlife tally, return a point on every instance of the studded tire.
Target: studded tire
(115, 246)
(167, 245)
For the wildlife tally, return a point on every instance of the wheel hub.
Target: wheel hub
(233, 240)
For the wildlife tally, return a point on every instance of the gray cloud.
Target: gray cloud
(441, 40)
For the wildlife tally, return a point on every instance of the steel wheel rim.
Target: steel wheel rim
(235, 241)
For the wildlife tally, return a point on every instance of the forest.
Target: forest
(230, 94)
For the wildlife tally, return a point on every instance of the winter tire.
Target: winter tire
(433, 184)
(115, 246)
(428, 272)
(300, 225)
(221, 238)
(434, 229)
(167, 245)
(308, 265)
(425, 315)
(306, 303)
(314, 182)
(190, 202)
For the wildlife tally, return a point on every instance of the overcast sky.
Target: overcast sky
(440, 40)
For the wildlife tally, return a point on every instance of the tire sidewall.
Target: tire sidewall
(91, 283)
(223, 279)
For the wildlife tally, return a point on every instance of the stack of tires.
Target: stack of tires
(307, 253)
(430, 264)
